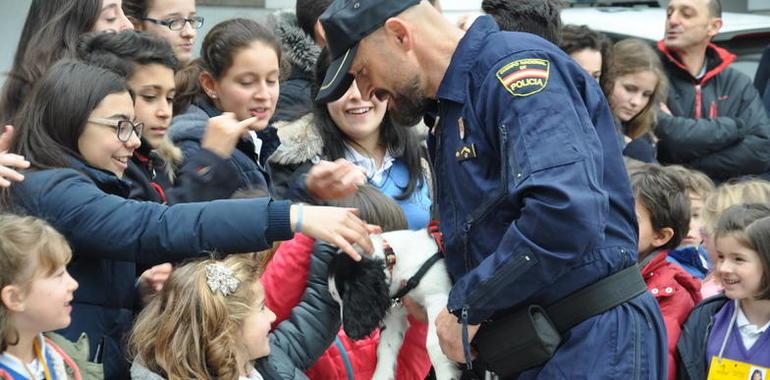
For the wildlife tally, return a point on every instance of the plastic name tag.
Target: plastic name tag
(727, 369)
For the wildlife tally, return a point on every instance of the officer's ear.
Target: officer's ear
(399, 32)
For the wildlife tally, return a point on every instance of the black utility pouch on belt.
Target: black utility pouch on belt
(523, 339)
(528, 337)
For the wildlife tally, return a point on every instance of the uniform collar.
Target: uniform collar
(466, 55)
(747, 327)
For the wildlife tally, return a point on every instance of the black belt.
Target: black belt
(596, 298)
(528, 336)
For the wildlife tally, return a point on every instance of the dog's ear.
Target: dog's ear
(364, 291)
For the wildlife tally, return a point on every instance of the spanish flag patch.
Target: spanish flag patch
(525, 77)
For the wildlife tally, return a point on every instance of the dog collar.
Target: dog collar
(415, 280)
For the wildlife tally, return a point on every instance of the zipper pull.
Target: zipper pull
(466, 343)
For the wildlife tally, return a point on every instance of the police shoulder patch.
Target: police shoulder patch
(525, 77)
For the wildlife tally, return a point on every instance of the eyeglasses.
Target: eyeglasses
(177, 24)
(122, 127)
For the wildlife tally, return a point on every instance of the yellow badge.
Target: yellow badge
(525, 77)
(727, 369)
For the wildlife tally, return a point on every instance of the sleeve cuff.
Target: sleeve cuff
(278, 221)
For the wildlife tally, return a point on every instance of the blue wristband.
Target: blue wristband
(298, 222)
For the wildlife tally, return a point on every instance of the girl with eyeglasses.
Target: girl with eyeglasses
(148, 64)
(50, 33)
(78, 148)
(174, 20)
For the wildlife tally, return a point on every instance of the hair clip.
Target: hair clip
(221, 279)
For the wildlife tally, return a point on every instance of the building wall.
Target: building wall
(13, 13)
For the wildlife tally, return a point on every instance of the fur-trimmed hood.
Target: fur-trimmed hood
(299, 49)
(300, 142)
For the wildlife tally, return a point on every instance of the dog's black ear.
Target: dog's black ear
(364, 291)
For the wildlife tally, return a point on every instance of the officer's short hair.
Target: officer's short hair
(749, 224)
(308, 12)
(664, 195)
(540, 17)
(715, 8)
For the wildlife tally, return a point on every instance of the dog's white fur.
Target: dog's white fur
(412, 249)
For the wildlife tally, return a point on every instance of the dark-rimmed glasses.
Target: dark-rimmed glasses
(122, 128)
(177, 23)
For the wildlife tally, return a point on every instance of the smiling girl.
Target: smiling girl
(236, 78)
(148, 64)
(35, 295)
(635, 85)
(79, 148)
(736, 325)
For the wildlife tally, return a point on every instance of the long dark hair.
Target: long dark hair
(218, 51)
(53, 118)
(50, 32)
(402, 142)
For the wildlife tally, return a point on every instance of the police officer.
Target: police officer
(533, 197)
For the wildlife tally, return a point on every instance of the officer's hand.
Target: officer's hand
(450, 336)
(334, 180)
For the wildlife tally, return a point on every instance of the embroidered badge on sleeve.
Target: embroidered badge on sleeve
(525, 77)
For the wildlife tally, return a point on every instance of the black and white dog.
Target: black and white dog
(369, 293)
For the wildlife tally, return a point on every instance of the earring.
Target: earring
(213, 96)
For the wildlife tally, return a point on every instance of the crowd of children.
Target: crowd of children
(153, 185)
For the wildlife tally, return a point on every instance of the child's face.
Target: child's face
(46, 305)
(249, 88)
(99, 143)
(153, 85)
(181, 40)
(695, 236)
(256, 327)
(646, 232)
(738, 267)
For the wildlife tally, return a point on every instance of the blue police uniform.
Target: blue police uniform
(534, 200)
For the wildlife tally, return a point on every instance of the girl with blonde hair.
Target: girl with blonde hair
(210, 321)
(35, 292)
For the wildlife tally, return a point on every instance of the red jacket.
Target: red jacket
(284, 282)
(677, 292)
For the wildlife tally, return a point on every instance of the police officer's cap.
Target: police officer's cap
(346, 22)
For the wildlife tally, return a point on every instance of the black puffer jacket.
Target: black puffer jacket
(300, 54)
(719, 125)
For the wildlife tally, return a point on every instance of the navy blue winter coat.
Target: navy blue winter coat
(535, 202)
(109, 235)
(187, 130)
